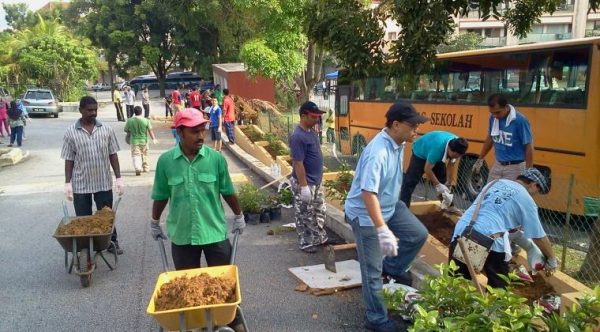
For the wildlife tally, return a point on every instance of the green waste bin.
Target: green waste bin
(591, 206)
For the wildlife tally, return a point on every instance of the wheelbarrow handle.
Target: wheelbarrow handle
(163, 253)
(116, 205)
(236, 237)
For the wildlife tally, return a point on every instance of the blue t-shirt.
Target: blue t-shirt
(432, 146)
(507, 205)
(379, 170)
(510, 144)
(305, 146)
(215, 112)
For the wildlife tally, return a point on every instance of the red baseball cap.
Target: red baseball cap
(189, 117)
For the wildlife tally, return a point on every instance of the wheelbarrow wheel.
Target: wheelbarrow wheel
(85, 264)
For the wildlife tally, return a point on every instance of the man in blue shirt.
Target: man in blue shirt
(377, 216)
(307, 164)
(510, 134)
(430, 153)
(507, 206)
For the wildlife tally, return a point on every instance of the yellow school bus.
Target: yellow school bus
(555, 85)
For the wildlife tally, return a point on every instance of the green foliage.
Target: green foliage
(451, 303)
(394, 300)
(338, 189)
(461, 42)
(252, 134)
(578, 318)
(286, 197)
(251, 198)
(47, 55)
(275, 147)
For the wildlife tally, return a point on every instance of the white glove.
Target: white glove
(551, 265)
(69, 191)
(156, 230)
(447, 199)
(120, 186)
(220, 130)
(239, 223)
(154, 141)
(477, 166)
(305, 194)
(387, 241)
(441, 189)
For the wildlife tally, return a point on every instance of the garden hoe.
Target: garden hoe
(330, 254)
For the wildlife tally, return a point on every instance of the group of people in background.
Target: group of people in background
(128, 96)
(13, 119)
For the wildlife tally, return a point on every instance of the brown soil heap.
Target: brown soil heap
(100, 223)
(202, 289)
(439, 226)
(535, 290)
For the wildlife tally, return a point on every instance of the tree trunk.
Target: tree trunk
(112, 80)
(312, 73)
(590, 269)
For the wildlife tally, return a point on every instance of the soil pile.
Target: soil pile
(184, 292)
(533, 291)
(100, 223)
(439, 226)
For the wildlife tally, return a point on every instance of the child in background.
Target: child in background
(25, 115)
(16, 120)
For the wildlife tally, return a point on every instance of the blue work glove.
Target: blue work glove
(239, 223)
(156, 230)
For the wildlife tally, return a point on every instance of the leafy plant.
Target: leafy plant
(252, 134)
(338, 189)
(285, 197)
(578, 318)
(275, 147)
(251, 198)
(451, 303)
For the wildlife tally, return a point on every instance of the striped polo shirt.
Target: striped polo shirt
(90, 152)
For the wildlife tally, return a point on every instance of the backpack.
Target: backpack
(14, 113)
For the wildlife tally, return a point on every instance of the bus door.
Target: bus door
(342, 124)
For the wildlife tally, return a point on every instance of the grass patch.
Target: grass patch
(572, 263)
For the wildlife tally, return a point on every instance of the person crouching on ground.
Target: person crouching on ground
(506, 206)
(378, 216)
(139, 128)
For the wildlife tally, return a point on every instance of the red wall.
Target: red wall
(250, 87)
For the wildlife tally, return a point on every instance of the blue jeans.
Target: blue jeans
(16, 133)
(412, 235)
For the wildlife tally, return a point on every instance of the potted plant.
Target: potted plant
(275, 207)
(251, 201)
(285, 197)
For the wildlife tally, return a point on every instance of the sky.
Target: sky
(33, 5)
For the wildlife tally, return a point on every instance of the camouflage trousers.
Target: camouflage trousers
(310, 217)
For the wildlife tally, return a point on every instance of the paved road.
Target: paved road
(38, 295)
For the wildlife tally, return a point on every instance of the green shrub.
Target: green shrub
(338, 188)
(251, 198)
(275, 147)
(252, 134)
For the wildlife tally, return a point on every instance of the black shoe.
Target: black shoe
(138, 173)
(405, 278)
(111, 249)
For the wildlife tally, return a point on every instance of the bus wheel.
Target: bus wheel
(470, 183)
(358, 144)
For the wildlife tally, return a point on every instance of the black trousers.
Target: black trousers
(494, 265)
(119, 109)
(146, 110)
(413, 175)
(129, 109)
(83, 205)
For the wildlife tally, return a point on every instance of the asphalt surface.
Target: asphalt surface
(38, 295)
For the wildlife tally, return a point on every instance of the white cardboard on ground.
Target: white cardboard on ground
(316, 276)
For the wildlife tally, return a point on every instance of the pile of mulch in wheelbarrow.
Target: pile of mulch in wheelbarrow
(99, 223)
(202, 289)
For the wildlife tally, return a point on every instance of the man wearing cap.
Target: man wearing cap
(192, 178)
(510, 134)
(307, 164)
(378, 217)
(507, 206)
(430, 153)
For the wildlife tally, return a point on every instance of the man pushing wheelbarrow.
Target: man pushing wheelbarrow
(191, 178)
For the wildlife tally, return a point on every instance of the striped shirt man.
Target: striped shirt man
(90, 154)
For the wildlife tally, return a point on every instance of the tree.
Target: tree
(18, 15)
(48, 55)
(461, 42)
